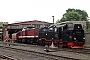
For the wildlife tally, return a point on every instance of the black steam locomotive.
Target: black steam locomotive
(62, 35)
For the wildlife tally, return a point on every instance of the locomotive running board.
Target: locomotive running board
(77, 47)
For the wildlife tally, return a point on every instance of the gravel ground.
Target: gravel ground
(21, 56)
(59, 53)
(26, 56)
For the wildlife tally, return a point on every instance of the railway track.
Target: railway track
(40, 54)
(83, 51)
(17, 44)
(4, 57)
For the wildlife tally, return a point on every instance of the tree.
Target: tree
(75, 15)
(71, 16)
(88, 26)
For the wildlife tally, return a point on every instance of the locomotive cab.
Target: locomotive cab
(73, 36)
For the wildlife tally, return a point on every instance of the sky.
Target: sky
(27, 10)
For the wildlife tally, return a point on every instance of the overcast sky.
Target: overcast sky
(42, 10)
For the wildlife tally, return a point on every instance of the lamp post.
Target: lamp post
(53, 19)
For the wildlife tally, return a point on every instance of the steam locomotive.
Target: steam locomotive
(64, 34)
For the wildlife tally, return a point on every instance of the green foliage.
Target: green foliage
(74, 15)
(1, 23)
(81, 13)
(58, 21)
(88, 26)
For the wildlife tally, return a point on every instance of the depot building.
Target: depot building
(9, 29)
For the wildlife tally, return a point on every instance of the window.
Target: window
(13, 26)
(25, 25)
(46, 25)
(37, 25)
(70, 26)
